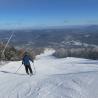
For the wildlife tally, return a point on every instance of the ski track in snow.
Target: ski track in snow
(55, 78)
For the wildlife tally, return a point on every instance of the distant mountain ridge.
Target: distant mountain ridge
(51, 37)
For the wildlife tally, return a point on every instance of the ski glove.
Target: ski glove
(22, 63)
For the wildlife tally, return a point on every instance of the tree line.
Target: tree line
(83, 52)
(13, 54)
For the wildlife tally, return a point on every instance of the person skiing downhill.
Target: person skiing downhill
(26, 61)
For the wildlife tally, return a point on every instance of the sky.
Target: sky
(45, 13)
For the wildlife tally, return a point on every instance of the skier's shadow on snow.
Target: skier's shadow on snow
(7, 72)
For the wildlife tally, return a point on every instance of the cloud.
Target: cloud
(95, 21)
(66, 21)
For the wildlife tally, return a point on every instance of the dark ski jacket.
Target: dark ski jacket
(26, 60)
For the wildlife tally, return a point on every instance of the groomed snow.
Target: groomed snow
(55, 78)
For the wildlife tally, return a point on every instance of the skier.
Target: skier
(26, 61)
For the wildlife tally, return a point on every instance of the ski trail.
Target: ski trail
(55, 78)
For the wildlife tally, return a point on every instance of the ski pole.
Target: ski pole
(18, 68)
(34, 68)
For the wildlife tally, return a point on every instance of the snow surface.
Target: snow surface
(55, 78)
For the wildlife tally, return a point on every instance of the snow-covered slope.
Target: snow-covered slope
(55, 78)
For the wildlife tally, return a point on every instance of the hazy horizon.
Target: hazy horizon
(21, 14)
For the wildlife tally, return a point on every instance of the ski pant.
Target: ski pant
(28, 69)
